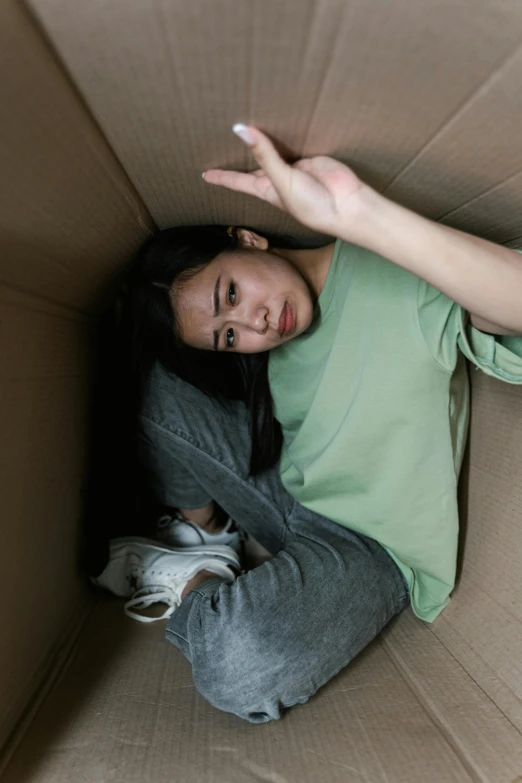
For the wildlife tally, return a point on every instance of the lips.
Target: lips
(286, 320)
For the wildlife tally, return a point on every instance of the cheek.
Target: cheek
(250, 342)
(305, 313)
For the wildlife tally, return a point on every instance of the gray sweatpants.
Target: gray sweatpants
(270, 639)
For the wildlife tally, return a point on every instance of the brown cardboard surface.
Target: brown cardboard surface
(134, 722)
(503, 201)
(43, 382)
(424, 101)
(422, 98)
(69, 217)
(68, 220)
(465, 158)
(484, 738)
(482, 627)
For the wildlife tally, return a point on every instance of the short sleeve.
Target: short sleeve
(446, 330)
(497, 355)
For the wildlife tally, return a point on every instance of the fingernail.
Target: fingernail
(243, 132)
(203, 175)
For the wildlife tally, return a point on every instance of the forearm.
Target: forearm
(482, 277)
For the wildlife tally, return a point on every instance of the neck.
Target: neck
(313, 264)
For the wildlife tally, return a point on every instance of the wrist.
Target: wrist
(359, 223)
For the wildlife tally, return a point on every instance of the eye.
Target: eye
(229, 338)
(232, 293)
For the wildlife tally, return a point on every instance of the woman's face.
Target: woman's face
(247, 301)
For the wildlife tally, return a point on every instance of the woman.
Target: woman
(358, 350)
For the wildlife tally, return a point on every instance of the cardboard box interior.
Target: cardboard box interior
(109, 114)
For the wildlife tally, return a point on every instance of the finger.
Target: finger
(267, 156)
(320, 163)
(235, 180)
(304, 164)
(254, 184)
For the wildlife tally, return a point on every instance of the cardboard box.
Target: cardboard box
(109, 113)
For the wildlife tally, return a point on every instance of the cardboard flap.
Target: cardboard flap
(69, 219)
(148, 723)
(423, 102)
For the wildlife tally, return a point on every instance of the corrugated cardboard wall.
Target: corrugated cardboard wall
(482, 626)
(69, 218)
(423, 98)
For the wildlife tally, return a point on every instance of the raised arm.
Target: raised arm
(324, 194)
(486, 279)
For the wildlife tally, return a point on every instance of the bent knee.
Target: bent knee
(244, 674)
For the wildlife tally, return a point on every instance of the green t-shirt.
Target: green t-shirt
(374, 404)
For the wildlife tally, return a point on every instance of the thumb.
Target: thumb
(267, 156)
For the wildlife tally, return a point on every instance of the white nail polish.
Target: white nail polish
(243, 132)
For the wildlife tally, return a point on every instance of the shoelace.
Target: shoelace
(230, 527)
(150, 595)
(165, 522)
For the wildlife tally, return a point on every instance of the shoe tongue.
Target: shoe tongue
(159, 581)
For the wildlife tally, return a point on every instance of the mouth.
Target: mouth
(286, 322)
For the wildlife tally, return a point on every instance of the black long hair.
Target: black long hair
(173, 255)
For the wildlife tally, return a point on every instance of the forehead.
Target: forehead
(193, 303)
(198, 289)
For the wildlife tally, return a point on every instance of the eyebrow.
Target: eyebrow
(216, 311)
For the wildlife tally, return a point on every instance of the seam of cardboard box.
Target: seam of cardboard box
(14, 296)
(47, 676)
(122, 182)
(477, 92)
(476, 198)
(327, 69)
(430, 706)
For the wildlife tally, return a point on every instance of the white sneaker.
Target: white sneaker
(180, 532)
(154, 573)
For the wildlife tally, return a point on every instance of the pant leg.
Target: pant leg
(274, 636)
(196, 449)
(269, 640)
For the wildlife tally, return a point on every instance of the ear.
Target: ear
(249, 239)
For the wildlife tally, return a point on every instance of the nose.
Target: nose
(256, 319)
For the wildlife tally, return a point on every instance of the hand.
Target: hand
(320, 192)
